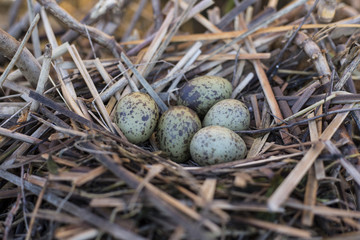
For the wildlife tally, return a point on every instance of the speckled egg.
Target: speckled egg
(175, 129)
(136, 116)
(216, 144)
(201, 93)
(229, 113)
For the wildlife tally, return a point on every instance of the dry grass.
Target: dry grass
(68, 172)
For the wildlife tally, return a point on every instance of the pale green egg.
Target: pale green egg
(216, 144)
(136, 116)
(229, 113)
(176, 128)
(201, 93)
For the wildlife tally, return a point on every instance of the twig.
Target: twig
(283, 229)
(305, 110)
(183, 61)
(157, 13)
(44, 76)
(144, 83)
(35, 33)
(242, 85)
(347, 72)
(186, 67)
(344, 162)
(131, 83)
(270, 129)
(91, 86)
(291, 181)
(10, 217)
(278, 58)
(55, 106)
(97, 35)
(315, 54)
(161, 48)
(35, 211)
(68, 92)
(113, 229)
(19, 57)
(257, 27)
(19, 136)
(117, 86)
(23, 196)
(229, 17)
(265, 85)
(104, 74)
(234, 34)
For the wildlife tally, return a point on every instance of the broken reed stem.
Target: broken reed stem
(242, 85)
(351, 169)
(270, 129)
(182, 60)
(250, 31)
(292, 180)
(44, 75)
(125, 73)
(265, 85)
(309, 108)
(87, 216)
(164, 201)
(234, 34)
(36, 209)
(113, 89)
(173, 30)
(19, 50)
(144, 83)
(96, 35)
(35, 33)
(241, 56)
(292, 37)
(104, 74)
(19, 136)
(315, 54)
(91, 86)
(347, 72)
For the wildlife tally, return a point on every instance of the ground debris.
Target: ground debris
(68, 172)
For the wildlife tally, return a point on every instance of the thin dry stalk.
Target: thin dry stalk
(312, 183)
(44, 76)
(22, 59)
(90, 84)
(344, 162)
(283, 229)
(144, 83)
(266, 87)
(114, 229)
(95, 34)
(35, 33)
(315, 54)
(35, 211)
(291, 181)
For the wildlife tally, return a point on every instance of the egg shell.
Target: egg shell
(229, 113)
(176, 128)
(216, 144)
(136, 116)
(201, 93)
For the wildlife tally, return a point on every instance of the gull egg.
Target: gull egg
(201, 93)
(216, 144)
(136, 116)
(229, 113)
(175, 129)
